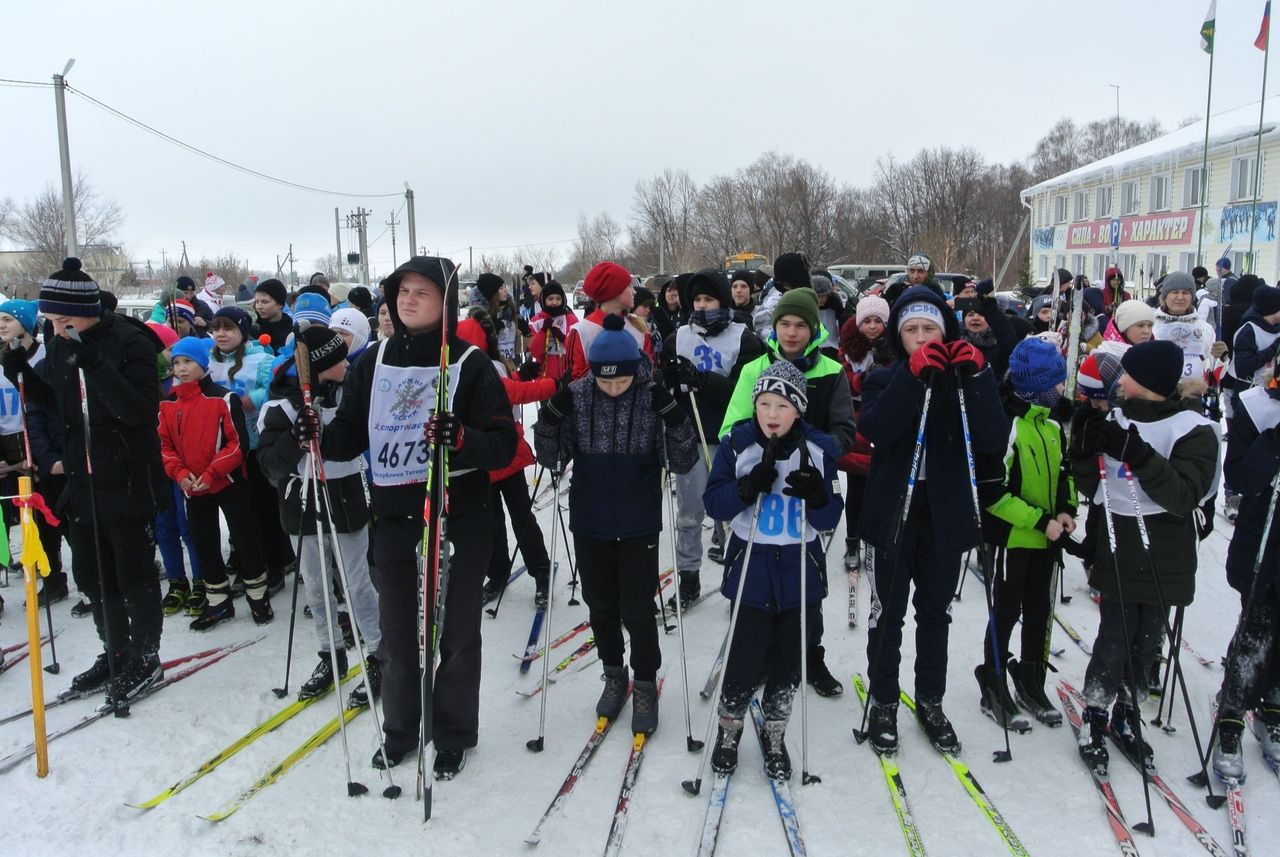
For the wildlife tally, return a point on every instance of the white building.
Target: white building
(1153, 190)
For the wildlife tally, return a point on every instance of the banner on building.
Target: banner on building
(1231, 223)
(1148, 230)
(1042, 238)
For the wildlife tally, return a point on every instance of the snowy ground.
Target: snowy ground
(1045, 793)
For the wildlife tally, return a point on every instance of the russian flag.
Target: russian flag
(1261, 42)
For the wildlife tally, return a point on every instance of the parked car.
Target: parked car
(1011, 303)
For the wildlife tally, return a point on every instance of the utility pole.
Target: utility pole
(337, 234)
(185, 263)
(413, 228)
(359, 220)
(471, 265)
(293, 278)
(64, 157)
(392, 225)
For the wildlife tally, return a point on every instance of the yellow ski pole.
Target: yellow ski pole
(29, 570)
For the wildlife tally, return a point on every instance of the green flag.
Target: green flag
(1207, 28)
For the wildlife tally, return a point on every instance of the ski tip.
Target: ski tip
(391, 792)
(693, 744)
(693, 787)
(355, 789)
(534, 745)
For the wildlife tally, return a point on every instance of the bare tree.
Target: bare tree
(1068, 146)
(662, 221)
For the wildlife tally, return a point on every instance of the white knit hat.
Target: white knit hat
(1133, 312)
(353, 322)
(872, 305)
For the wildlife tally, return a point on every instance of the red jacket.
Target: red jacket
(578, 365)
(202, 434)
(548, 344)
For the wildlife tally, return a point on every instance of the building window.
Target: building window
(1078, 263)
(1040, 211)
(1128, 265)
(1242, 169)
(1130, 199)
(1059, 261)
(1237, 261)
(1191, 187)
(1044, 267)
(1102, 201)
(1099, 268)
(1161, 185)
(1081, 211)
(1157, 266)
(1060, 209)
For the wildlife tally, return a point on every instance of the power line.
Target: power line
(25, 82)
(202, 153)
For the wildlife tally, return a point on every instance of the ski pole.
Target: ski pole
(1148, 827)
(964, 574)
(860, 734)
(506, 579)
(282, 692)
(573, 568)
(1005, 755)
(1170, 673)
(694, 786)
(697, 419)
(806, 778)
(690, 743)
(535, 745)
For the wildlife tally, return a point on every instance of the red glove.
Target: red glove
(445, 428)
(929, 360)
(965, 357)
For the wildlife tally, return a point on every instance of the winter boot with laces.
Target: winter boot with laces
(175, 600)
(1028, 690)
(773, 744)
(644, 707)
(1228, 761)
(1125, 730)
(97, 676)
(724, 758)
(359, 697)
(882, 727)
(996, 702)
(197, 600)
(690, 589)
(936, 725)
(1093, 740)
(614, 694)
(139, 674)
(218, 608)
(820, 678)
(321, 680)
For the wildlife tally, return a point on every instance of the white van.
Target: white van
(864, 275)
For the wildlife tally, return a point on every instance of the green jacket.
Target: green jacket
(1037, 485)
(830, 407)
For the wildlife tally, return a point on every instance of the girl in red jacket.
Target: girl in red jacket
(509, 485)
(203, 442)
(550, 328)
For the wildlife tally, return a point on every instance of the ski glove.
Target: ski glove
(528, 370)
(965, 358)
(81, 354)
(14, 361)
(446, 428)
(930, 360)
(664, 405)
(679, 372)
(1124, 445)
(806, 483)
(306, 426)
(557, 407)
(757, 481)
(524, 327)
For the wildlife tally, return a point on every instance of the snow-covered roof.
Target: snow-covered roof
(1225, 129)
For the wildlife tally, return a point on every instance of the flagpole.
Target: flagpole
(1204, 165)
(1257, 165)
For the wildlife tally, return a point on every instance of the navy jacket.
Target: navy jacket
(1251, 463)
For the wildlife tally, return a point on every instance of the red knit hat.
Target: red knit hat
(606, 281)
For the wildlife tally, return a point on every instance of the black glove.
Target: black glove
(524, 327)
(446, 428)
(14, 361)
(1084, 423)
(1125, 445)
(690, 377)
(81, 354)
(557, 407)
(757, 481)
(670, 372)
(882, 351)
(528, 370)
(306, 426)
(665, 406)
(1204, 516)
(498, 324)
(806, 483)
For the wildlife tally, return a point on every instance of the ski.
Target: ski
(1072, 633)
(27, 752)
(269, 725)
(569, 634)
(535, 630)
(639, 741)
(853, 599)
(1203, 661)
(781, 792)
(709, 686)
(44, 641)
(978, 794)
(510, 580)
(1115, 818)
(323, 734)
(897, 790)
(1235, 816)
(715, 811)
(603, 725)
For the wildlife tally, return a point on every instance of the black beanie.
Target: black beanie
(360, 298)
(273, 289)
(1064, 277)
(791, 270)
(1266, 300)
(1156, 365)
(70, 291)
(553, 288)
(488, 284)
(644, 297)
(325, 348)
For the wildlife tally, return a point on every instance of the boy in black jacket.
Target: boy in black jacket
(386, 408)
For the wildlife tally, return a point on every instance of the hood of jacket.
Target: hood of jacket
(718, 282)
(951, 328)
(438, 270)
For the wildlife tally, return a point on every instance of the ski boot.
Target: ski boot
(449, 763)
(492, 589)
(393, 758)
(1266, 727)
(541, 587)
(1232, 507)
(81, 609)
(614, 694)
(882, 727)
(175, 600)
(1092, 742)
(198, 599)
(1028, 691)
(138, 676)
(51, 592)
(359, 697)
(724, 758)
(256, 594)
(97, 676)
(1228, 760)
(852, 555)
(644, 707)
(777, 762)
(690, 588)
(936, 725)
(321, 679)
(820, 678)
(995, 701)
(1124, 728)
(715, 553)
(218, 608)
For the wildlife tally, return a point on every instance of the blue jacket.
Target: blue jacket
(773, 571)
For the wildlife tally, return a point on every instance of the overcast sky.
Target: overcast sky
(510, 118)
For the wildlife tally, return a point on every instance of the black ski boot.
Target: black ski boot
(449, 763)
(1228, 760)
(614, 694)
(372, 683)
(321, 680)
(256, 593)
(644, 707)
(724, 758)
(996, 702)
(135, 679)
(1028, 690)
(81, 609)
(690, 589)
(393, 758)
(492, 589)
(52, 592)
(1093, 740)
(882, 727)
(1124, 729)
(175, 600)
(820, 678)
(773, 744)
(541, 587)
(197, 600)
(715, 553)
(215, 613)
(937, 726)
(96, 677)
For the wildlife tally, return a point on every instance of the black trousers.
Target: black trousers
(456, 701)
(273, 542)
(1107, 676)
(765, 644)
(50, 487)
(855, 488)
(1253, 670)
(619, 580)
(514, 491)
(935, 576)
(206, 533)
(129, 599)
(1022, 589)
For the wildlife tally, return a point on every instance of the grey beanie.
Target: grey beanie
(1177, 281)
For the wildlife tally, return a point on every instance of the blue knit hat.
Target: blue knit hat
(192, 349)
(313, 308)
(613, 352)
(23, 311)
(1035, 366)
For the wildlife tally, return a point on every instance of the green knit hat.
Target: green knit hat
(800, 302)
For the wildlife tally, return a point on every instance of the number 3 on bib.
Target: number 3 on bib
(708, 358)
(779, 513)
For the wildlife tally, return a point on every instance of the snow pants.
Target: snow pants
(766, 644)
(1107, 676)
(172, 533)
(514, 492)
(619, 580)
(854, 489)
(1253, 670)
(361, 598)
(1023, 577)
(690, 513)
(50, 487)
(128, 602)
(276, 549)
(202, 518)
